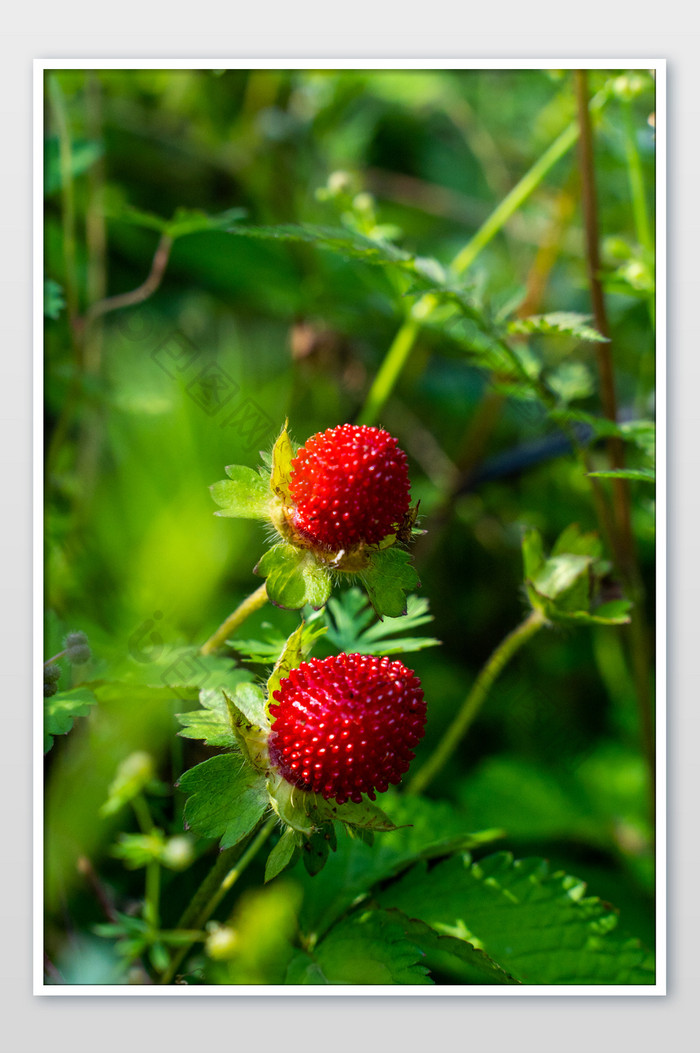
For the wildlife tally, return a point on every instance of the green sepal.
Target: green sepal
(297, 647)
(249, 724)
(284, 854)
(226, 798)
(365, 815)
(282, 454)
(388, 580)
(315, 849)
(244, 495)
(294, 578)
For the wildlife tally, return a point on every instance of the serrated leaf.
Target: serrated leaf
(294, 578)
(226, 798)
(641, 475)
(459, 959)
(244, 495)
(61, 711)
(559, 322)
(54, 301)
(349, 629)
(367, 948)
(282, 855)
(388, 580)
(423, 830)
(268, 651)
(184, 221)
(290, 658)
(211, 723)
(537, 925)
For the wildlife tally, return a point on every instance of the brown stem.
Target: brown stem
(624, 548)
(142, 292)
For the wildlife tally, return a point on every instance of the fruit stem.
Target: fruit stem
(474, 700)
(251, 604)
(214, 888)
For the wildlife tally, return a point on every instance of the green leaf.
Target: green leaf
(54, 301)
(269, 650)
(364, 814)
(537, 925)
(211, 723)
(138, 850)
(184, 221)
(349, 629)
(282, 855)
(458, 959)
(368, 948)
(533, 553)
(423, 830)
(226, 798)
(388, 580)
(244, 495)
(642, 475)
(294, 578)
(572, 542)
(61, 710)
(566, 323)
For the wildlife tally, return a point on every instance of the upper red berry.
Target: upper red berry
(346, 725)
(349, 485)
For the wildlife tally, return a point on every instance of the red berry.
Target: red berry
(349, 485)
(346, 725)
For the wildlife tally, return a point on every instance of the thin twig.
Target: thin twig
(142, 292)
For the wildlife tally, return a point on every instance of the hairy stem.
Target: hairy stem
(221, 878)
(475, 699)
(251, 604)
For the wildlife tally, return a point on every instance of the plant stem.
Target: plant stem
(475, 699)
(221, 878)
(623, 541)
(251, 604)
(398, 354)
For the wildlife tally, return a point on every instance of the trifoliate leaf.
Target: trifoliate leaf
(349, 629)
(244, 495)
(61, 710)
(294, 578)
(367, 948)
(537, 925)
(388, 580)
(226, 798)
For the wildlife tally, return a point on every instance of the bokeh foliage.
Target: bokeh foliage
(276, 329)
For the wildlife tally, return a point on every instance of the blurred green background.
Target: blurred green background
(145, 408)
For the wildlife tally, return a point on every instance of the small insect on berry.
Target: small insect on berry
(350, 486)
(346, 725)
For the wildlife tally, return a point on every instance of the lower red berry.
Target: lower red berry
(346, 725)
(349, 486)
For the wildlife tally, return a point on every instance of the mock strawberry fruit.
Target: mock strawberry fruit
(349, 486)
(346, 725)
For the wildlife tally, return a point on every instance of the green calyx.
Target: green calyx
(298, 572)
